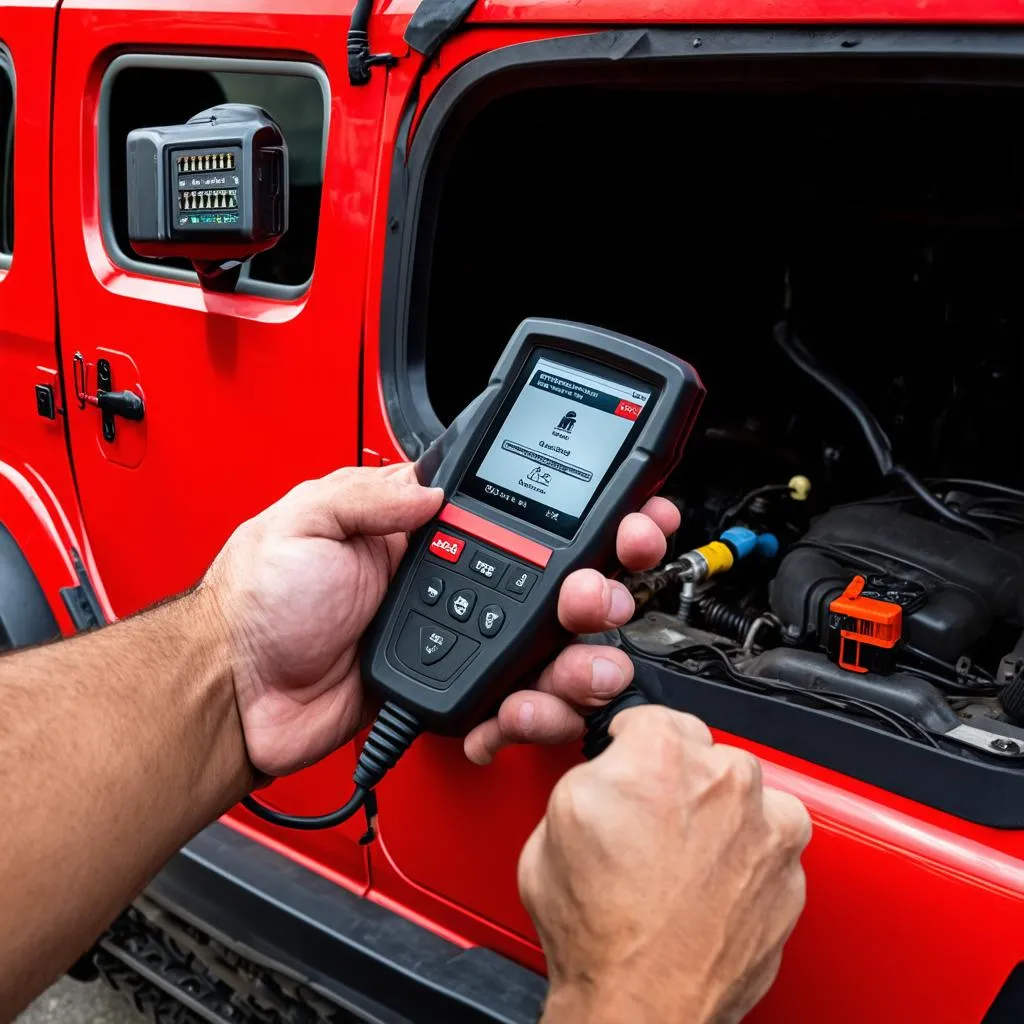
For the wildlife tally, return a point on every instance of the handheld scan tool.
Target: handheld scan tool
(577, 427)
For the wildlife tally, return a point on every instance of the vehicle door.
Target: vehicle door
(248, 393)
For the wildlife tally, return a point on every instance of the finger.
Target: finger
(587, 675)
(389, 470)
(654, 747)
(640, 543)
(794, 901)
(527, 716)
(363, 500)
(635, 725)
(665, 514)
(741, 763)
(590, 603)
(757, 988)
(789, 818)
(528, 873)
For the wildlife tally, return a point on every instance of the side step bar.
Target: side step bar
(359, 956)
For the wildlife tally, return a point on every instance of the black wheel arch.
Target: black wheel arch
(25, 614)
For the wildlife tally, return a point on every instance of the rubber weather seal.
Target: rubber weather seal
(433, 22)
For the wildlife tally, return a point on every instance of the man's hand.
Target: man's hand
(664, 879)
(297, 586)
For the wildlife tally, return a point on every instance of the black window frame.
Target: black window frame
(7, 166)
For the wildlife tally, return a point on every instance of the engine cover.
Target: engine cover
(969, 583)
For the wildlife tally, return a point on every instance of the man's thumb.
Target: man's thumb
(367, 501)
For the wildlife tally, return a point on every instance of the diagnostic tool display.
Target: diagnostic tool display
(577, 427)
(546, 459)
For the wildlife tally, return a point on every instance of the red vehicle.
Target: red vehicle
(690, 173)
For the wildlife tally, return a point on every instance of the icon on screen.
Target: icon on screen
(567, 422)
(538, 476)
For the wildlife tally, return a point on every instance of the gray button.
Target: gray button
(431, 653)
(492, 618)
(487, 567)
(520, 581)
(460, 605)
(431, 589)
(435, 643)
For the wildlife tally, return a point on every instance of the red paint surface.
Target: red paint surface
(898, 893)
(245, 396)
(37, 497)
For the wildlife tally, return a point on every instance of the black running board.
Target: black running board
(363, 958)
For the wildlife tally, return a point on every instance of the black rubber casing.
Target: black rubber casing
(531, 632)
(259, 181)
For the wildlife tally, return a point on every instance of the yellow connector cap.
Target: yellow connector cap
(799, 488)
(718, 557)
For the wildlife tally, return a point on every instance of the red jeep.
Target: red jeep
(692, 174)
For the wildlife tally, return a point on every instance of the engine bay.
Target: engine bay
(882, 608)
(839, 254)
(905, 607)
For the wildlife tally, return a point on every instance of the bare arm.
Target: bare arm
(118, 746)
(115, 748)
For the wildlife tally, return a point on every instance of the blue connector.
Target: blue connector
(744, 542)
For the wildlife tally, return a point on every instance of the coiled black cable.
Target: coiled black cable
(393, 732)
(718, 617)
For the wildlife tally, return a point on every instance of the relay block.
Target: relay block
(207, 188)
(212, 189)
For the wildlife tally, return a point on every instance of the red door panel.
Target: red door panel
(245, 395)
(37, 496)
(891, 883)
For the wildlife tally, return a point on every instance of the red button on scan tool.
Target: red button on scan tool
(445, 546)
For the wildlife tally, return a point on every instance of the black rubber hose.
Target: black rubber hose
(938, 507)
(358, 43)
(877, 439)
(985, 485)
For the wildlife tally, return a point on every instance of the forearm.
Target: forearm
(115, 748)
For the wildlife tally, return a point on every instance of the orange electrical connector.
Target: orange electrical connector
(863, 631)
